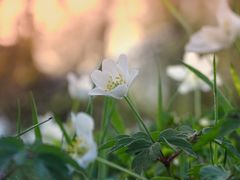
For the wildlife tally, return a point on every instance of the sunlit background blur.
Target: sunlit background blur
(42, 40)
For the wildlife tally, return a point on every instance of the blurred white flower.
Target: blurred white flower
(4, 125)
(189, 80)
(79, 87)
(204, 122)
(84, 149)
(51, 132)
(214, 38)
(115, 78)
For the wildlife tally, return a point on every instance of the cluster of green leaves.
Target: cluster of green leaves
(36, 161)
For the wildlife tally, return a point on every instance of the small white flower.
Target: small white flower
(84, 149)
(204, 122)
(79, 87)
(189, 80)
(115, 78)
(214, 38)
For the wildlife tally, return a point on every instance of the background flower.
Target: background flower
(115, 78)
(190, 81)
(84, 149)
(79, 87)
(214, 38)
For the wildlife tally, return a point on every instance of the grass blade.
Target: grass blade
(65, 134)
(32, 127)
(222, 99)
(235, 78)
(18, 117)
(37, 131)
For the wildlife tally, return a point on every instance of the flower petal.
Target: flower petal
(185, 87)
(227, 19)
(100, 79)
(119, 92)
(132, 75)
(110, 67)
(123, 65)
(89, 156)
(97, 92)
(208, 39)
(177, 72)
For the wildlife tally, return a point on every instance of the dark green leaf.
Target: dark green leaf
(213, 173)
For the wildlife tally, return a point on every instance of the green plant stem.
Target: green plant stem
(160, 121)
(18, 117)
(32, 127)
(197, 103)
(139, 118)
(115, 166)
(108, 108)
(89, 108)
(215, 96)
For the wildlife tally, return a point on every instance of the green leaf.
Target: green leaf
(226, 126)
(222, 99)
(37, 130)
(213, 173)
(110, 143)
(117, 122)
(229, 147)
(177, 140)
(235, 78)
(137, 145)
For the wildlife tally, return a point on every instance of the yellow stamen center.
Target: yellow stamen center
(113, 83)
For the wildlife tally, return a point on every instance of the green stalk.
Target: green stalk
(18, 117)
(108, 107)
(32, 127)
(139, 118)
(160, 123)
(197, 103)
(215, 96)
(89, 109)
(65, 134)
(115, 166)
(37, 130)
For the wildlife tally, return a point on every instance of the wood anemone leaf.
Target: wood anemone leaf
(177, 140)
(213, 172)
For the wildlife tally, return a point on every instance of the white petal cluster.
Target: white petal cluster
(115, 78)
(84, 149)
(213, 38)
(79, 87)
(189, 81)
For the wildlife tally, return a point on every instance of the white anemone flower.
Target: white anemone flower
(84, 149)
(115, 78)
(189, 81)
(79, 87)
(214, 38)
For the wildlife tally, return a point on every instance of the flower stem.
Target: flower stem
(197, 103)
(215, 96)
(139, 118)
